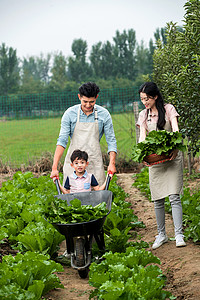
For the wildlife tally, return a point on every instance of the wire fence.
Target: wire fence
(30, 124)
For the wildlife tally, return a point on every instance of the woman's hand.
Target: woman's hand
(147, 164)
(173, 154)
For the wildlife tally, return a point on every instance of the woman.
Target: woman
(165, 179)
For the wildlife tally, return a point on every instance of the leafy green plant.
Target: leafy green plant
(177, 71)
(191, 214)
(28, 276)
(159, 142)
(127, 276)
(39, 237)
(60, 212)
(141, 181)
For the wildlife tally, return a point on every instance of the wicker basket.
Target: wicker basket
(155, 158)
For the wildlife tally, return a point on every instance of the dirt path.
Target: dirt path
(180, 265)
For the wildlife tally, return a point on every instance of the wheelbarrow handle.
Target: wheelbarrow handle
(57, 186)
(108, 180)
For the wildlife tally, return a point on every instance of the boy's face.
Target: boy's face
(79, 166)
(87, 104)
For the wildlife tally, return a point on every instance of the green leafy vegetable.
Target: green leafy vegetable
(60, 212)
(127, 276)
(28, 276)
(159, 142)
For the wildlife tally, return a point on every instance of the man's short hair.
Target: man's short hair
(79, 155)
(89, 89)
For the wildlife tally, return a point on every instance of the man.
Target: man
(85, 124)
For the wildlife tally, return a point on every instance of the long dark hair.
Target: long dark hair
(151, 89)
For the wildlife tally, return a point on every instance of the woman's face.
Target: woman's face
(148, 101)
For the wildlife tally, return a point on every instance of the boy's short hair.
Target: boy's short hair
(89, 89)
(79, 155)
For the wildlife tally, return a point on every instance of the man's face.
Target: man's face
(87, 104)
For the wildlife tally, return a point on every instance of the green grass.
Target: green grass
(24, 140)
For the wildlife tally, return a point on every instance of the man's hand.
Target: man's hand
(54, 173)
(57, 156)
(111, 167)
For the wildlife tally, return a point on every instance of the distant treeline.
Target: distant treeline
(118, 64)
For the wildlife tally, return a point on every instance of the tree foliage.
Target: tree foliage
(35, 73)
(9, 70)
(78, 68)
(122, 61)
(59, 73)
(177, 71)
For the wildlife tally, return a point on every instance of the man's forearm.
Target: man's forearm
(111, 166)
(112, 155)
(57, 156)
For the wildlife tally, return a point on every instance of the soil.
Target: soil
(180, 265)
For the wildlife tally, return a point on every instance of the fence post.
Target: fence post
(136, 114)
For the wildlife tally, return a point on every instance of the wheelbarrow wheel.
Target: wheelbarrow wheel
(81, 257)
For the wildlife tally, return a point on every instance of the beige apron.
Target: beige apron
(86, 138)
(165, 178)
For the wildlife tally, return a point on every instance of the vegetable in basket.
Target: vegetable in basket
(158, 142)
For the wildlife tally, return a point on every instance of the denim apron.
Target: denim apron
(86, 138)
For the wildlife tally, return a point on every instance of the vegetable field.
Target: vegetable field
(24, 203)
(129, 269)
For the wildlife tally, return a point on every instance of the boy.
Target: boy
(80, 180)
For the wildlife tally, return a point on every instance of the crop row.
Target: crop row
(31, 273)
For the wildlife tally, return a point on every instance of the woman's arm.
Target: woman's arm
(142, 134)
(174, 124)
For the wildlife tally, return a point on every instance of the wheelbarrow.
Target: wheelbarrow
(79, 236)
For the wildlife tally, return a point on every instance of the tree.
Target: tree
(142, 60)
(59, 73)
(9, 70)
(35, 74)
(124, 53)
(102, 60)
(79, 70)
(160, 34)
(177, 71)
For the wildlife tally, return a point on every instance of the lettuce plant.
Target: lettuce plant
(159, 142)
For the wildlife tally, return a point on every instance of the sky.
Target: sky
(35, 27)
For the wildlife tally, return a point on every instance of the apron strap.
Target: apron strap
(148, 115)
(78, 115)
(95, 114)
(149, 119)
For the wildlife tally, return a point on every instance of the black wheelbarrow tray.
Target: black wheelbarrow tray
(79, 236)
